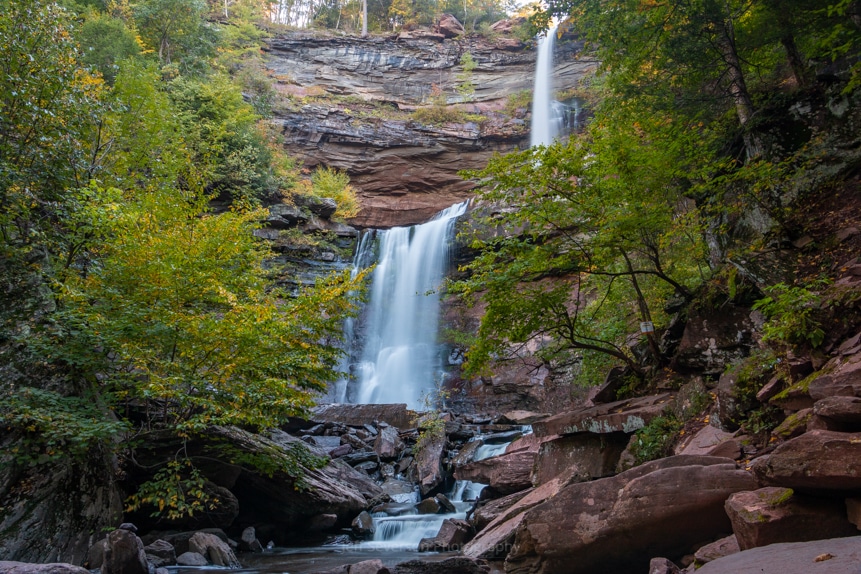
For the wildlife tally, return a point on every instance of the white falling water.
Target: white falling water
(546, 112)
(361, 260)
(400, 360)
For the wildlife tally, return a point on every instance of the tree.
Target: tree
(171, 26)
(593, 235)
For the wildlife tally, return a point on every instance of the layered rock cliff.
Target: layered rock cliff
(405, 170)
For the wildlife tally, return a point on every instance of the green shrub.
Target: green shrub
(655, 440)
(791, 314)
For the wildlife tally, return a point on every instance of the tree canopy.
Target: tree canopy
(129, 304)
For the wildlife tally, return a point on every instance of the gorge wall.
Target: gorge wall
(405, 170)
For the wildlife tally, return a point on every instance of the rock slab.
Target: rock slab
(617, 524)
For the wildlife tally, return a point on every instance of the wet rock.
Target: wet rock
(835, 556)
(717, 549)
(248, 540)
(397, 415)
(191, 559)
(506, 473)
(444, 503)
(621, 416)
(216, 551)
(453, 534)
(618, 523)
(160, 553)
(429, 465)
(398, 490)
(124, 554)
(368, 567)
(428, 506)
(387, 444)
(815, 461)
(395, 508)
(363, 526)
(27, 568)
(466, 454)
(773, 514)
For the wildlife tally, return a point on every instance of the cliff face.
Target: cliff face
(405, 170)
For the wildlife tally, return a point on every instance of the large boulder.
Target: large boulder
(834, 556)
(617, 524)
(452, 535)
(713, 339)
(621, 416)
(7, 567)
(429, 465)
(489, 511)
(815, 461)
(388, 444)
(449, 26)
(363, 526)
(775, 514)
(124, 554)
(216, 551)
(496, 538)
(54, 512)
(160, 553)
(840, 413)
(592, 455)
(505, 473)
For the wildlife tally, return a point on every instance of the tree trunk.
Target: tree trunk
(725, 40)
(364, 18)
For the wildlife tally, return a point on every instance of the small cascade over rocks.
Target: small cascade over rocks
(399, 358)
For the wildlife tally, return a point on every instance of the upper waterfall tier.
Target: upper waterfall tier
(360, 116)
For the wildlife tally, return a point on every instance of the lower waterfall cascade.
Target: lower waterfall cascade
(398, 360)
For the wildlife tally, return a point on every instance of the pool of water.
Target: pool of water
(315, 559)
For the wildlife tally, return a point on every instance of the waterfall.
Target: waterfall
(400, 360)
(546, 112)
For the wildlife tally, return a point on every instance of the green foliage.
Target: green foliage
(293, 460)
(465, 84)
(105, 41)
(177, 490)
(335, 184)
(52, 426)
(430, 422)
(603, 237)
(123, 298)
(656, 439)
(792, 315)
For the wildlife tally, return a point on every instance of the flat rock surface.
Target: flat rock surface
(834, 556)
(621, 416)
(27, 568)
